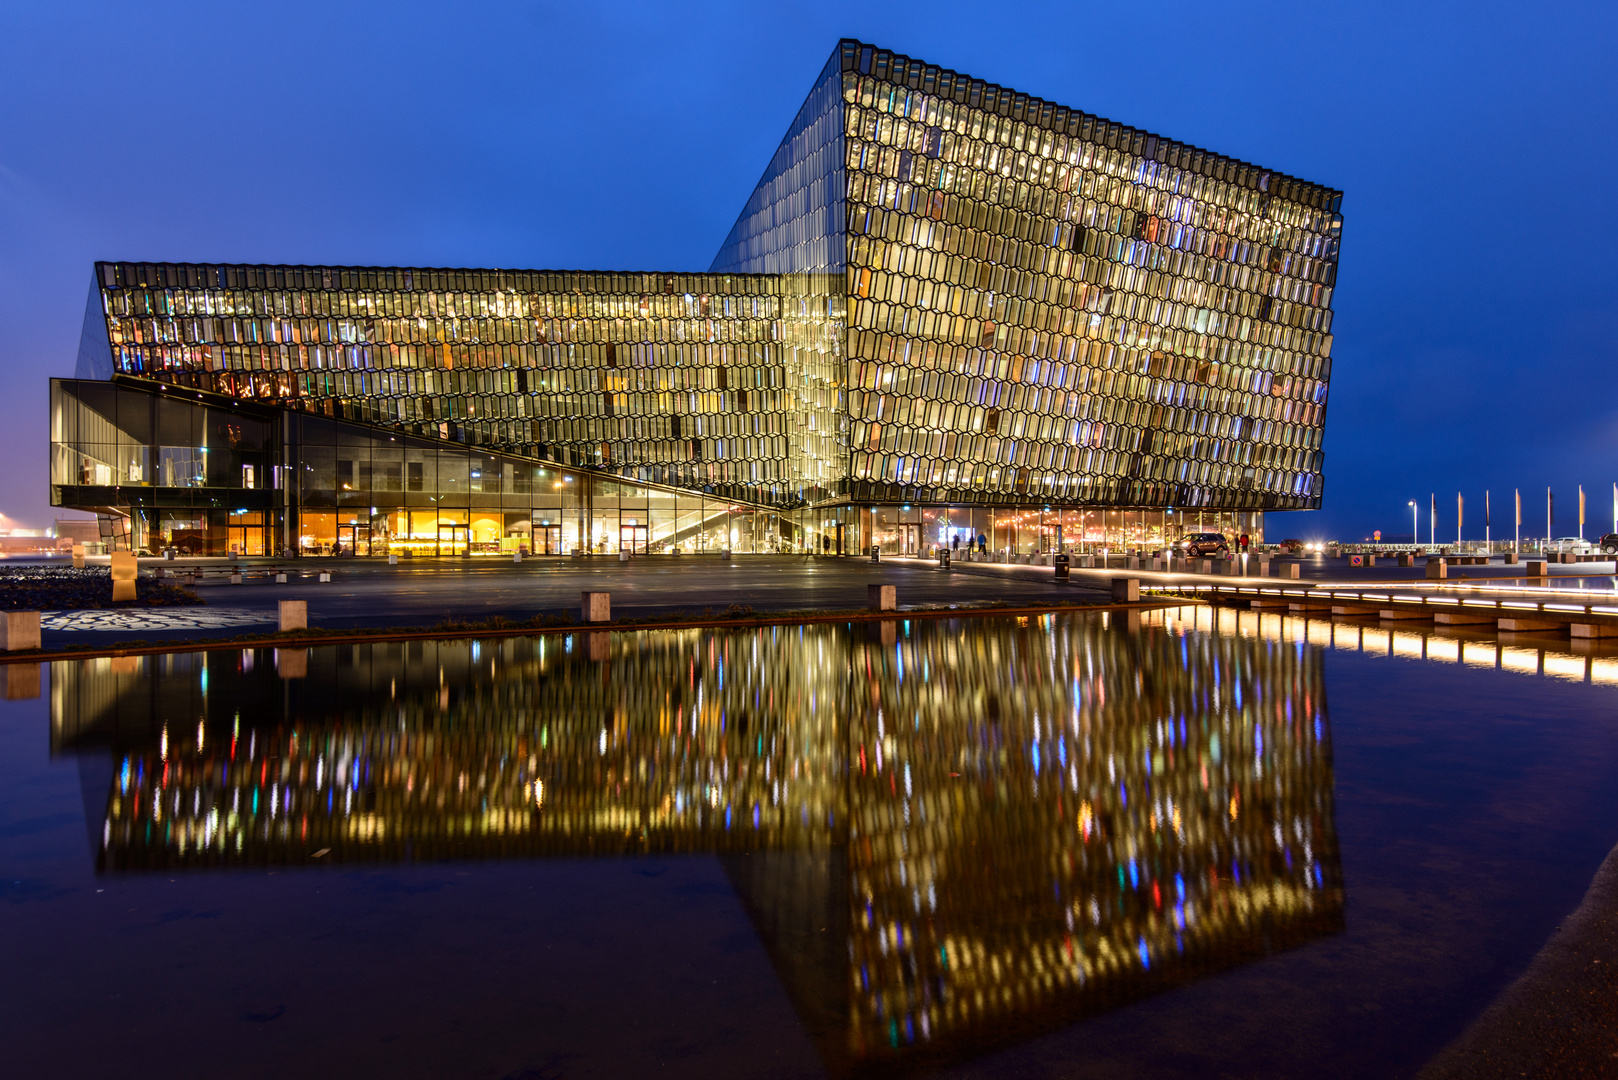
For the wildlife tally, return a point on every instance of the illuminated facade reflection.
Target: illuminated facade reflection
(940, 829)
(1014, 320)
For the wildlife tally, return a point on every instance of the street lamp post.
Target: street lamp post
(1415, 524)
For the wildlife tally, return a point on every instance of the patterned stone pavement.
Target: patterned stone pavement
(125, 620)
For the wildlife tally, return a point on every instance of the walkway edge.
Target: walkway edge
(339, 637)
(1560, 1018)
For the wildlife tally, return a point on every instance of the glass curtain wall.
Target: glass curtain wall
(1048, 307)
(916, 530)
(687, 380)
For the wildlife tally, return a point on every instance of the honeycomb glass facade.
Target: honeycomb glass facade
(948, 311)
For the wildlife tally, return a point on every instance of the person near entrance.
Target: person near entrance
(983, 544)
(955, 542)
(1242, 540)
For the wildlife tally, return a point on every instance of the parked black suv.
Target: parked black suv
(1608, 543)
(1204, 544)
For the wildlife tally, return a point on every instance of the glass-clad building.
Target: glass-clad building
(948, 313)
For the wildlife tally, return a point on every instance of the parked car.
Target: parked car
(1204, 543)
(1609, 543)
(1571, 545)
(1291, 546)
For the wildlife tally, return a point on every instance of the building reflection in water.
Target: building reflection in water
(949, 834)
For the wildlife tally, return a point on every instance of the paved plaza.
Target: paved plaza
(426, 592)
(369, 593)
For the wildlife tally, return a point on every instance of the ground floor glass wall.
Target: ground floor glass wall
(923, 530)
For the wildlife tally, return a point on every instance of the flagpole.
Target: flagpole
(1432, 519)
(1581, 511)
(1460, 512)
(1549, 517)
(1488, 544)
(1516, 536)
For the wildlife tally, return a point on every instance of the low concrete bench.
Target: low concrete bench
(19, 630)
(292, 615)
(595, 607)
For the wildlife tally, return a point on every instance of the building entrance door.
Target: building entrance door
(909, 539)
(632, 538)
(455, 539)
(840, 549)
(247, 540)
(547, 540)
(355, 538)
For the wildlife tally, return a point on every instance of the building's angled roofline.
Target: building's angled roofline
(868, 59)
(116, 273)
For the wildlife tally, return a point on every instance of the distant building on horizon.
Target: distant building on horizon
(948, 312)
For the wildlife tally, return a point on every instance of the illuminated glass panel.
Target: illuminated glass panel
(1047, 307)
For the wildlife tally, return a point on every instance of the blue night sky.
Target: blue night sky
(1475, 144)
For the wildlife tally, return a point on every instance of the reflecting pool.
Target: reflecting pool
(945, 846)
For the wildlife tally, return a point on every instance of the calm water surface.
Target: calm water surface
(1209, 845)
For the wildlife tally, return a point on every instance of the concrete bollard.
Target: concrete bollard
(325, 575)
(1125, 590)
(881, 598)
(1437, 569)
(623, 554)
(1407, 560)
(1202, 566)
(1511, 558)
(1289, 570)
(78, 556)
(280, 579)
(19, 630)
(124, 568)
(292, 615)
(393, 558)
(1534, 568)
(236, 577)
(595, 607)
(516, 556)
